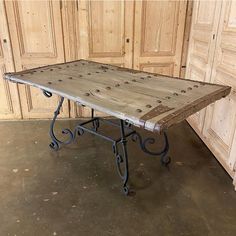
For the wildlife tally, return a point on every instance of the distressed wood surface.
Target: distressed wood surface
(147, 100)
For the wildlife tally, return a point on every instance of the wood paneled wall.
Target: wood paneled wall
(212, 58)
(146, 35)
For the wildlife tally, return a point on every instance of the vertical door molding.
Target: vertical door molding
(220, 122)
(9, 97)
(37, 38)
(158, 37)
(205, 21)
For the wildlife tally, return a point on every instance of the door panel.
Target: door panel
(105, 34)
(105, 31)
(158, 46)
(9, 97)
(202, 43)
(36, 33)
(220, 123)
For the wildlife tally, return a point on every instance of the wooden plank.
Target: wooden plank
(147, 100)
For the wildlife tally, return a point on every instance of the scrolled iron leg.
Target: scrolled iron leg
(165, 159)
(122, 160)
(56, 143)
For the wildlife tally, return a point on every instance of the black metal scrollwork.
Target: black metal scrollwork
(119, 145)
(47, 94)
(56, 143)
(122, 160)
(165, 160)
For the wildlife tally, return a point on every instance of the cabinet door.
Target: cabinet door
(105, 33)
(9, 99)
(202, 41)
(220, 123)
(37, 40)
(158, 37)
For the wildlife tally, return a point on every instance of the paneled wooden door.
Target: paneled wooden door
(37, 39)
(158, 36)
(9, 99)
(202, 43)
(105, 33)
(219, 129)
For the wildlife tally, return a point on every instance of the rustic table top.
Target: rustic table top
(147, 100)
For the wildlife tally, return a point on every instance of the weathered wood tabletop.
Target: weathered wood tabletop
(147, 100)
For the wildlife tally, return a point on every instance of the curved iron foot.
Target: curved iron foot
(165, 160)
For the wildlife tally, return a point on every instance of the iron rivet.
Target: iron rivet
(126, 82)
(97, 72)
(139, 110)
(117, 85)
(159, 101)
(142, 78)
(108, 88)
(70, 78)
(41, 71)
(59, 80)
(175, 94)
(183, 91)
(149, 76)
(97, 90)
(51, 69)
(49, 82)
(189, 88)
(167, 97)
(86, 94)
(148, 106)
(89, 74)
(195, 86)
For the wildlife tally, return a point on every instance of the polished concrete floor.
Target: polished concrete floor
(76, 191)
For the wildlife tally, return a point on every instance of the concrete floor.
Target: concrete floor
(76, 191)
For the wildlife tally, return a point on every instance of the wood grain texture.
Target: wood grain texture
(124, 93)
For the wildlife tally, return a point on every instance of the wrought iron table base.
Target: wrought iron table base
(121, 155)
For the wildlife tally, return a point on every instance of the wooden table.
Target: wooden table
(150, 101)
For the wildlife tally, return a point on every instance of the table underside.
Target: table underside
(147, 100)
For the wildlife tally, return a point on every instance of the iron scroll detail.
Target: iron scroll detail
(165, 160)
(119, 145)
(56, 143)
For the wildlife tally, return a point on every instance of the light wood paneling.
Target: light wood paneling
(201, 48)
(37, 36)
(220, 123)
(9, 99)
(158, 46)
(105, 31)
